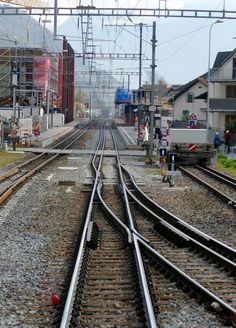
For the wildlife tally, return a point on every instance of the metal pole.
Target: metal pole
(47, 108)
(209, 72)
(14, 104)
(2, 134)
(152, 89)
(90, 105)
(128, 82)
(14, 84)
(48, 96)
(55, 19)
(140, 79)
(140, 55)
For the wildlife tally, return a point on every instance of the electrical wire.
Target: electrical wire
(203, 26)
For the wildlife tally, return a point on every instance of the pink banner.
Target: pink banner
(41, 72)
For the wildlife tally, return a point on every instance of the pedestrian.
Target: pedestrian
(227, 137)
(159, 136)
(217, 141)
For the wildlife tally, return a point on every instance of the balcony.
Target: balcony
(223, 104)
(223, 75)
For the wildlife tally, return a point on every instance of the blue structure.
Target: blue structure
(122, 96)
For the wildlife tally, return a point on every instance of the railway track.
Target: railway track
(220, 185)
(134, 261)
(182, 251)
(12, 179)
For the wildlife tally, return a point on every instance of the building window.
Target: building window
(185, 115)
(189, 97)
(230, 91)
(234, 69)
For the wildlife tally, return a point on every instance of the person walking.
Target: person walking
(217, 141)
(227, 137)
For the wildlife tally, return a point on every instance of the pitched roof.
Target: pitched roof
(202, 78)
(222, 57)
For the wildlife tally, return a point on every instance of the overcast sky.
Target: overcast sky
(182, 48)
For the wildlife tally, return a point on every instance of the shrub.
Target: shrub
(226, 162)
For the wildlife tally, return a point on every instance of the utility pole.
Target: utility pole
(140, 80)
(152, 107)
(14, 84)
(140, 54)
(48, 97)
(128, 82)
(55, 19)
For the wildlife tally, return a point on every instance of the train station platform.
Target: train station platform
(48, 137)
(42, 142)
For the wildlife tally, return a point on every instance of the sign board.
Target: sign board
(152, 108)
(147, 100)
(156, 101)
(192, 116)
(192, 147)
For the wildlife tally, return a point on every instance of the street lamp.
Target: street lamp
(218, 21)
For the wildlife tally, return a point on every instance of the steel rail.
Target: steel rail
(84, 128)
(17, 168)
(180, 224)
(230, 201)
(186, 279)
(106, 208)
(67, 312)
(194, 285)
(189, 240)
(149, 311)
(8, 190)
(125, 136)
(218, 175)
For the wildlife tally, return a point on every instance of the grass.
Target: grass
(8, 158)
(226, 165)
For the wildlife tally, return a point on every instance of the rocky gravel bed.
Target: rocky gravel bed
(33, 222)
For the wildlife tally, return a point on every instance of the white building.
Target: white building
(188, 100)
(222, 92)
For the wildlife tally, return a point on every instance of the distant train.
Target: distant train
(192, 146)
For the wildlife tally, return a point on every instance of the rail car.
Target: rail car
(192, 146)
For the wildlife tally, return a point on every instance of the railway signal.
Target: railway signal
(172, 173)
(162, 160)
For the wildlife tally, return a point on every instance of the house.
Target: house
(189, 99)
(222, 92)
